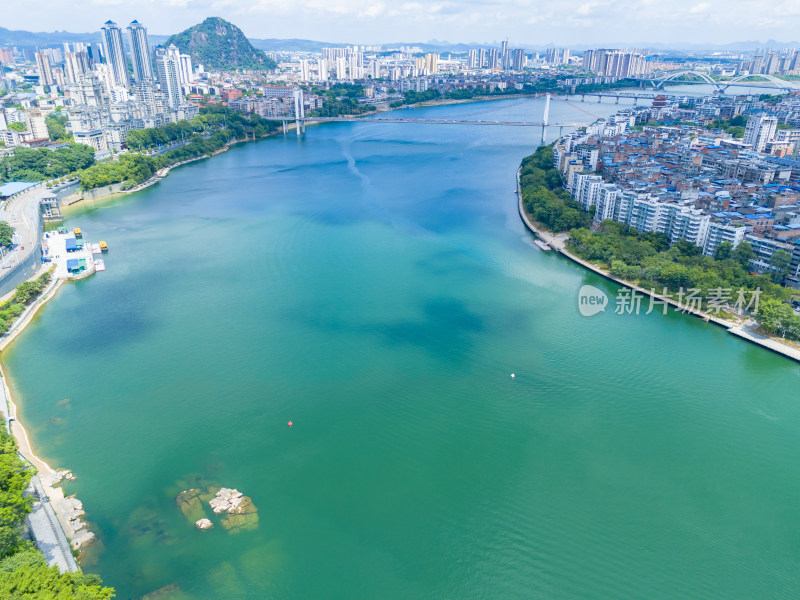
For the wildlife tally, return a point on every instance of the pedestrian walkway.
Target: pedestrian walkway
(46, 531)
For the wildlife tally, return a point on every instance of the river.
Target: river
(372, 283)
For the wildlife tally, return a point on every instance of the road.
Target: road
(22, 213)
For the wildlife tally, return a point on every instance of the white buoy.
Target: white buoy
(512, 376)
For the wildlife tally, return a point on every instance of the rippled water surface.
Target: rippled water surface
(373, 284)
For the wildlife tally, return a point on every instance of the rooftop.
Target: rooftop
(14, 187)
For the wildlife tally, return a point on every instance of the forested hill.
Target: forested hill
(217, 44)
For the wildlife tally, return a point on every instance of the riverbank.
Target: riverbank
(743, 329)
(159, 175)
(69, 530)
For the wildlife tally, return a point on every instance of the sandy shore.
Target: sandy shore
(743, 329)
(66, 509)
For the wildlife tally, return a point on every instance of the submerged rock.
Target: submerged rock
(168, 592)
(204, 524)
(244, 517)
(191, 505)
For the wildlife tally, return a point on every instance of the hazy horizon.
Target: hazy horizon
(563, 23)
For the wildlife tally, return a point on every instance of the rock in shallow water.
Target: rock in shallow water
(204, 524)
(191, 505)
(226, 500)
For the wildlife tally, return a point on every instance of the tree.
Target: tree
(17, 126)
(56, 126)
(743, 254)
(6, 233)
(14, 506)
(780, 261)
(723, 251)
(25, 575)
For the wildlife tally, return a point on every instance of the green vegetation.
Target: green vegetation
(547, 84)
(24, 575)
(17, 126)
(132, 169)
(648, 260)
(6, 233)
(26, 292)
(778, 318)
(205, 134)
(38, 164)
(218, 44)
(772, 98)
(413, 97)
(14, 506)
(734, 126)
(56, 127)
(340, 99)
(543, 196)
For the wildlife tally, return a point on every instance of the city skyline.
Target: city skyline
(567, 22)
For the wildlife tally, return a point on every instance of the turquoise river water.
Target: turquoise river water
(373, 284)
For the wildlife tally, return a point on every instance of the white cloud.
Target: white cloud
(565, 22)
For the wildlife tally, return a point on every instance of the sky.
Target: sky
(523, 22)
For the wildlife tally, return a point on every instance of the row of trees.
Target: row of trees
(39, 164)
(25, 294)
(205, 134)
(23, 570)
(543, 196)
(648, 259)
(211, 119)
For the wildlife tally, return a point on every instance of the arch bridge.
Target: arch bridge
(721, 86)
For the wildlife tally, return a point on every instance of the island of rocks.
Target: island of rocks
(237, 511)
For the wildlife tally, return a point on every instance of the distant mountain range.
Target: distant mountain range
(30, 39)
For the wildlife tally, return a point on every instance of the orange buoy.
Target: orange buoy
(290, 423)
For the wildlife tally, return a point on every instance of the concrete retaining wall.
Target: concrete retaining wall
(114, 188)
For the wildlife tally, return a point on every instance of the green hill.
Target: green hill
(217, 44)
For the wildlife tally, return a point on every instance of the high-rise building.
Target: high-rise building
(432, 62)
(341, 68)
(140, 52)
(504, 63)
(115, 53)
(76, 65)
(556, 56)
(492, 62)
(322, 69)
(187, 73)
(168, 67)
(614, 63)
(759, 130)
(45, 72)
(518, 60)
(305, 69)
(481, 58)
